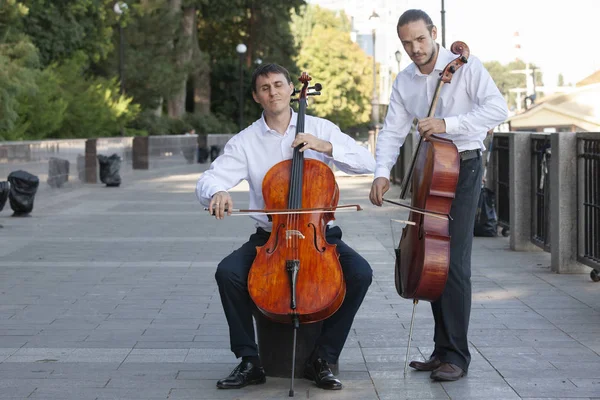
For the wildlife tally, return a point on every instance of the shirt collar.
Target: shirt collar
(443, 59)
(264, 128)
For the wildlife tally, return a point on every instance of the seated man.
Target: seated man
(249, 155)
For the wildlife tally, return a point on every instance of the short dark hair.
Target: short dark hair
(267, 69)
(413, 16)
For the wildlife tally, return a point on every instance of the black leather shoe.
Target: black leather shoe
(428, 365)
(447, 372)
(244, 374)
(320, 372)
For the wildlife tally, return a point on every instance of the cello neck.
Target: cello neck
(296, 178)
(297, 173)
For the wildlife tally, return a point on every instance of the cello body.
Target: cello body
(424, 250)
(320, 287)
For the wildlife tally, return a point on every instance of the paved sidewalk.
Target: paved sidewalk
(109, 293)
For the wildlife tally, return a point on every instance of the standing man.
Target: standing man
(248, 156)
(467, 108)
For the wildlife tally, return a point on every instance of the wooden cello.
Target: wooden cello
(423, 255)
(296, 276)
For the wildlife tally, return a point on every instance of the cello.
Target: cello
(423, 254)
(296, 276)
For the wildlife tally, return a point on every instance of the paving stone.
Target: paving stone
(117, 300)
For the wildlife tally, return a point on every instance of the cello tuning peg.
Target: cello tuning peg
(317, 88)
(313, 94)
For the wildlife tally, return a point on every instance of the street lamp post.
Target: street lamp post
(241, 50)
(443, 25)
(374, 19)
(398, 55)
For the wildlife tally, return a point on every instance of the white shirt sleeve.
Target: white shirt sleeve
(229, 169)
(489, 109)
(395, 129)
(347, 155)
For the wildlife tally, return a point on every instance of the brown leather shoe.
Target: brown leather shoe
(428, 365)
(447, 372)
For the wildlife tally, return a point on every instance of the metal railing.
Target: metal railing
(540, 186)
(500, 180)
(588, 198)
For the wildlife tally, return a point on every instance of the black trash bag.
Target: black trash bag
(214, 152)
(23, 187)
(109, 169)
(4, 189)
(202, 155)
(58, 172)
(486, 221)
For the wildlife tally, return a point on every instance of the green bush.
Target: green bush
(149, 122)
(18, 71)
(210, 123)
(96, 108)
(178, 126)
(41, 111)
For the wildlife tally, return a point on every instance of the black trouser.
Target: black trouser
(452, 310)
(232, 278)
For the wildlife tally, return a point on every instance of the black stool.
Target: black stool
(275, 341)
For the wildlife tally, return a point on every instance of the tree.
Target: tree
(340, 65)
(561, 80)
(263, 26)
(311, 16)
(59, 28)
(506, 79)
(18, 65)
(189, 59)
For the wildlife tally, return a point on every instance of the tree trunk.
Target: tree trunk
(176, 103)
(201, 79)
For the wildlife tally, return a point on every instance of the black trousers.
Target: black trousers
(232, 278)
(451, 312)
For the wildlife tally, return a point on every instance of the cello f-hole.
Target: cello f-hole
(270, 251)
(314, 228)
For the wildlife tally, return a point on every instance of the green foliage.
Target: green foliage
(96, 108)
(151, 71)
(506, 78)
(225, 84)
(341, 66)
(41, 111)
(151, 123)
(148, 121)
(210, 123)
(18, 66)
(264, 27)
(59, 28)
(11, 12)
(309, 17)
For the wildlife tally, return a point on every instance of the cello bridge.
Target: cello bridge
(293, 232)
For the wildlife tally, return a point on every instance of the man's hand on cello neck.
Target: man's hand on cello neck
(314, 143)
(430, 126)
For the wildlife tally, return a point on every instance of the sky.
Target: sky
(557, 36)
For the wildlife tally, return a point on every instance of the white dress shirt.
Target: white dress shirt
(251, 153)
(470, 104)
